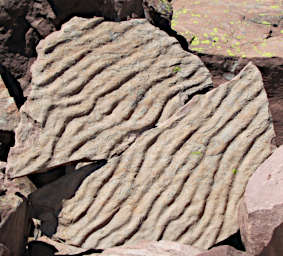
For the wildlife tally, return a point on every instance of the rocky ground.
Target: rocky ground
(115, 139)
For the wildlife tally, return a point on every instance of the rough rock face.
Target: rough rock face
(9, 115)
(9, 119)
(97, 82)
(158, 12)
(23, 23)
(14, 212)
(110, 9)
(48, 246)
(4, 251)
(151, 248)
(260, 215)
(223, 68)
(224, 250)
(181, 180)
(243, 28)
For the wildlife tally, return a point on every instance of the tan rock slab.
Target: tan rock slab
(9, 114)
(96, 86)
(153, 248)
(180, 181)
(261, 212)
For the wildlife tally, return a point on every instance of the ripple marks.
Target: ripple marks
(177, 181)
(96, 87)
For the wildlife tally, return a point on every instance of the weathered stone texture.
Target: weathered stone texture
(261, 211)
(224, 250)
(181, 180)
(96, 82)
(9, 115)
(14, 212)
(152, 248)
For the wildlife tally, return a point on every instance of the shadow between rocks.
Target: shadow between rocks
(46, 202)
(39, 248)
(233, 240)
(13, 86)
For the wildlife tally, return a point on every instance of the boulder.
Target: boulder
(242, 28)
(9, 120)
(181, 180)
(14, 212)
(95, 82)
(261, 211)
(153, 248)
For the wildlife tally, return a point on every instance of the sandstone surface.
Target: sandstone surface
(9, 115)
(96, 87)
(180, 180)
(152, 248)
(24, 23)
(261, 212)
(14, 212)
(9, 119)
(244, 28)
(224, 250)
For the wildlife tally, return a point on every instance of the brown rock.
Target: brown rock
(14, 213)
(180, 181)
(49, 246)
(243, 28)
(9, 119)
(158, 12)
(224, 250)
(88, 89)
(152, 248)
(9, 115)
(261, 212)
(4, 251)
(23, 23)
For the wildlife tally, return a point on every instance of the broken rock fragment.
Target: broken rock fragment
(181, 180)
(261, 211)
(96, 87)
(14, 212)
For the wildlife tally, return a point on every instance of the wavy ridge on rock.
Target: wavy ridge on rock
(97, 81)
(179, 181)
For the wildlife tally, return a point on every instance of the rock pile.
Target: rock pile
(132, 150)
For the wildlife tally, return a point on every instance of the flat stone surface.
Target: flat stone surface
(231, 27)
(261, 212)
(96, 82)
(152, 248)
(180, 181)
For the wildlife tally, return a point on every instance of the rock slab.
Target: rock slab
(152, 248)
(261, 211)
(95, 82)
(181, 180)
(14, 212)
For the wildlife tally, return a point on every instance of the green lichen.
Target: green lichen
(196, 153)
(176, 69)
